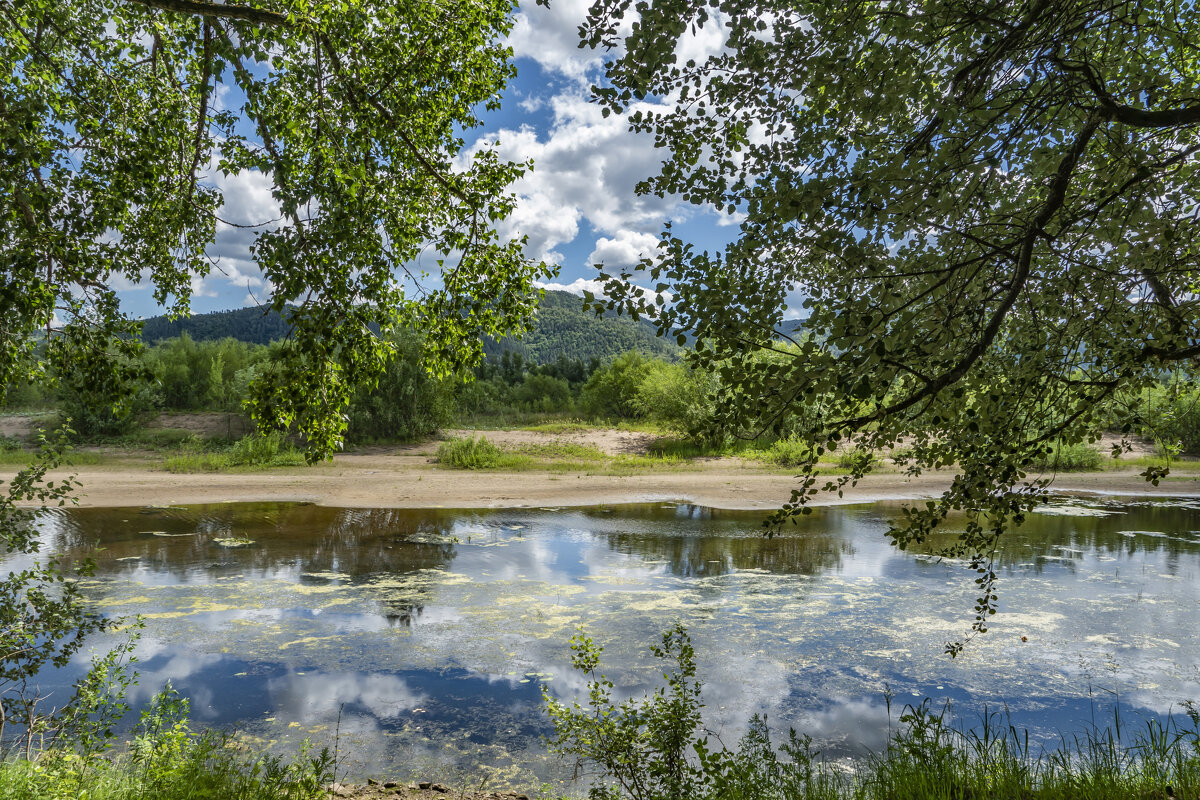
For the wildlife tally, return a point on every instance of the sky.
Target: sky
(577, 207)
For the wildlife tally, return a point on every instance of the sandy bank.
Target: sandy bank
(409, 480)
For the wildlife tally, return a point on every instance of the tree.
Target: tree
(121, 120)
(990, 208)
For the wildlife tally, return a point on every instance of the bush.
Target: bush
(469, 453)
(1068, 458)
(264, 450)
(789, 453)
(1174, 418)
(680, 398)
(611, 392)
(167, 760)
(406, 404)
(542, 393)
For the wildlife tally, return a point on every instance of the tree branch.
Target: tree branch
(1055, 200)
(1126, 114)
(259, 16)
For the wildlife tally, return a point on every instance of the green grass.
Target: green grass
(478, 453)
(469, 453)
(167, 760)
(77, 458)
(562, 450)
(257, 451)
(1069, 458)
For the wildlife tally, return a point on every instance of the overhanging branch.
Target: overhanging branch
(259, 16)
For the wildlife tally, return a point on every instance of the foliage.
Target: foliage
(987, 208)
(468, 453)
(542, 393)
(1173, 417)
(680, 397)
(1058, 457)
(611, 392)
(657, 747)
(44, 620)
(166, 760)
(124, 122)
(642, 745)
(204, 375)
(406, 403)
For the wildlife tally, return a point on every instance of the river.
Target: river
(419, 640)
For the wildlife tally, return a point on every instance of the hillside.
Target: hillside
(561, 328)
(254, 325)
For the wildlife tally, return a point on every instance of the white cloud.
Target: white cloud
(586, 168)
(550, 36)
(623, 250)
(577, 286)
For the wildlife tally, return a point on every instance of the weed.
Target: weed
(468, 453)
(1068, 458)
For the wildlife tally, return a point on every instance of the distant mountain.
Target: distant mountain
(254, 325)
(561, 328)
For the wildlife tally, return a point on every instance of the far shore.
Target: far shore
(409, 480)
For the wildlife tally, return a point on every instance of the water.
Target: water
(421, 638)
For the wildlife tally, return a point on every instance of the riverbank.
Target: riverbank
(410, 479)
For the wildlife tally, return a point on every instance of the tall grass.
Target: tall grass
(1069, 458)
(469, 453)
(254, 451)
(167, 760)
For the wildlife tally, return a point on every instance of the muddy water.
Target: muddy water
(420, 639)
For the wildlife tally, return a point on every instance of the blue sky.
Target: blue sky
(578, 206)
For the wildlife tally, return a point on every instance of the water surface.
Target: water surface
(421, 638)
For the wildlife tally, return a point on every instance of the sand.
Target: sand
(409, 479)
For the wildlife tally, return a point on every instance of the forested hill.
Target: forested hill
(561, 328)
(255, 325)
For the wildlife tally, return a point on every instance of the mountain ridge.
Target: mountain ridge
(560, 328)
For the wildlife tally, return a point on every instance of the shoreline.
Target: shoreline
(410, 481)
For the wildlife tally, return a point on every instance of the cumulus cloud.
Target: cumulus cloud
(577, 286)
(550, 36)
(586, 168)
(248, 207)
(623, 250)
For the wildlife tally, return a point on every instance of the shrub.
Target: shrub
(542, 393)
(611, 391)
(407, 402)
(468, 453)
(1068, 458)
(680, 398)
(264, 450)
(1174, 414)
(789, 452)
(167, 760)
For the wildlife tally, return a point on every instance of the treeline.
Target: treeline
(182, 374)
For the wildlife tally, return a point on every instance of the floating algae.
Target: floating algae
(1074, 511)
(231, 541)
